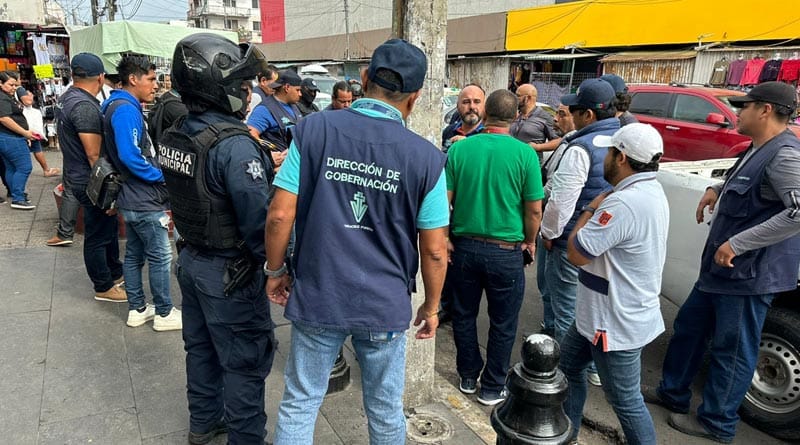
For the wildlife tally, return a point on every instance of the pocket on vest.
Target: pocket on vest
(744, 267)
(736, 200)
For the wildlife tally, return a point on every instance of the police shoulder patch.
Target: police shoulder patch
(605, 218)
(255, 169)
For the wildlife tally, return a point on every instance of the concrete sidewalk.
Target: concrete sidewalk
(74, 373)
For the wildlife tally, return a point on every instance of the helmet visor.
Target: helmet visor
(251, 63)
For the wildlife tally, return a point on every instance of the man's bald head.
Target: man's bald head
(471, 101)
(526, 98)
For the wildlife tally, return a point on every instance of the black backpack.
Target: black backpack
(155, 118)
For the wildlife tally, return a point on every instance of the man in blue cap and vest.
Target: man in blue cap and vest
(751, 254)
(361, 206)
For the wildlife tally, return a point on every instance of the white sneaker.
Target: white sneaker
(594, 378)
(136, 318)
(171, 322)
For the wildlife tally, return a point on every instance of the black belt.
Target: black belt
(499, 243)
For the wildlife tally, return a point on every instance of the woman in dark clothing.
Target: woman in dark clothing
(14, 136)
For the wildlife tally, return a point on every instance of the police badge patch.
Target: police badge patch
(255, 170)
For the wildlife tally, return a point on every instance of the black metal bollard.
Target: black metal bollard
(533, 412)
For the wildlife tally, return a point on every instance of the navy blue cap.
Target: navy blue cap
(310, 84)
(617, 82)
(86, 65)
(405, 59)
(287, 77)
(593, 94)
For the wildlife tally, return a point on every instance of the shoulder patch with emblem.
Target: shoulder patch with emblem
(605, 217)
(254, 169)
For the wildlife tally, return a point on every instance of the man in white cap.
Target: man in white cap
(620, 244)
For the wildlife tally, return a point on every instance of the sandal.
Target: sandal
(52, 172)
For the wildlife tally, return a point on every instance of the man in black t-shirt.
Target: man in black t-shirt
(80, 136)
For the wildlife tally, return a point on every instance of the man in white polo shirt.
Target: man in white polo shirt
(619, 243)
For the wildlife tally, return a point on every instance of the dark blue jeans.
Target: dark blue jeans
(67, 214)
(477, 267)
(733, 324)
(100, 242)
(620, 372)
(229, 347)
(17, 159)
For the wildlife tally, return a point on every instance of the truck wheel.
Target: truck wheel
(772, 404)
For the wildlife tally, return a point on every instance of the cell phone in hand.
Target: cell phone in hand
(527, 258)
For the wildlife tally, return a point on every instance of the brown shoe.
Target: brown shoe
(56, 241)
(115, 295)
(120, 281)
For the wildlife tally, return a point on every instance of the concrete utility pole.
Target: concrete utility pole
(94, 11)
(347, 30)
(111, 7)
(423, 23)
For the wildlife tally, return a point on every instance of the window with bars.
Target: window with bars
(256, 26)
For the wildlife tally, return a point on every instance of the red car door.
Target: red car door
(690, 137)
(651, 107)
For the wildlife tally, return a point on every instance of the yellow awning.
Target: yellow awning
(613, 23)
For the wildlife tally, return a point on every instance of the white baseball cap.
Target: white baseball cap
(640, 142)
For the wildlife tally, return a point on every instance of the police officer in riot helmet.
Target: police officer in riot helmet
(219, 183)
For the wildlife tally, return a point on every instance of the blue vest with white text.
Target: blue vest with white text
(767, 270)
(595, 183)
(362, 183)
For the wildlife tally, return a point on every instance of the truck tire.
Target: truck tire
(772, 404)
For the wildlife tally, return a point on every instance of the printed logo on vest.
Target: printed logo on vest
(359, 206)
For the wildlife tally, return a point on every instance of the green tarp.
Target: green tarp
(109, 39)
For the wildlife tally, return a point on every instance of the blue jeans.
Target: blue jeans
(620, 372)
(733, 323)
(100, 241)
(562, 286)
(229, 345)
(477, 267)
(381, 356)
(68, 213)
(148, 238)
(541, 282)
(17, 159)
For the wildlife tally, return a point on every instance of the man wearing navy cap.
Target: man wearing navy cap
(80, 136)
(751, 254)
(276, 114)
(366, 210)
(575, 182)
(308, 92)
(623, 101)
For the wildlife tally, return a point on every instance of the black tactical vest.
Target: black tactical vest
(204, 220)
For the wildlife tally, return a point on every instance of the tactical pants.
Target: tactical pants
(229, 347)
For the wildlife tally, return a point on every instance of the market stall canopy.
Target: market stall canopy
(109, 39)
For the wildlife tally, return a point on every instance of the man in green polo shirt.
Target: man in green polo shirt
(495, 187)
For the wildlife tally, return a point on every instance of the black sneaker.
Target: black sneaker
(468, 386)
(22, 205)
(491, 398)
(203, 438)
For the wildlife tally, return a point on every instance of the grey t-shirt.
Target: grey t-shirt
(536, 127)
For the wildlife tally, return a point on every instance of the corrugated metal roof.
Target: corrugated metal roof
(645, 56)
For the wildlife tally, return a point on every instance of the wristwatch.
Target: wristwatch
(585, 208)
(274, 273)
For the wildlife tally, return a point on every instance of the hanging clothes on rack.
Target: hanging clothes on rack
(752, 71)
(790, 71)
(770, 70)
(735, 71)
(720, 72)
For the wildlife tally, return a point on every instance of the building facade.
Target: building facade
(240, 16)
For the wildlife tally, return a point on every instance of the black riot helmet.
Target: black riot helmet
(211, 68)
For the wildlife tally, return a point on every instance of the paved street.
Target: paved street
(75, 374)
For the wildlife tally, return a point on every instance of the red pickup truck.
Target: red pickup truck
(696, 123)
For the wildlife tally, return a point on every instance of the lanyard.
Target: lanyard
(368, 104)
